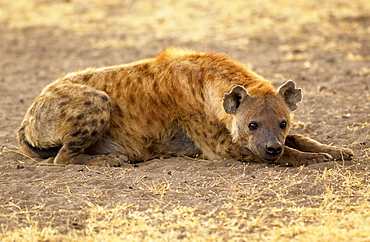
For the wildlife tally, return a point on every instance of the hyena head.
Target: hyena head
(262, 123)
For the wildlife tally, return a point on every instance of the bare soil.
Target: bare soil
(332, 71)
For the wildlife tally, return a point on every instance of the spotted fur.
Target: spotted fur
(181, 102)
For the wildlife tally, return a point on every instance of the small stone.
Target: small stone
(78, 226)
(20, 166)
(169, 173)
(330, 60)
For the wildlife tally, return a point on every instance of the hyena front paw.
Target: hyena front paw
(312, 158)
(341, 154)
(97, 160)
(112, 161)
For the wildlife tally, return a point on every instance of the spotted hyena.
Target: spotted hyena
(180, 103)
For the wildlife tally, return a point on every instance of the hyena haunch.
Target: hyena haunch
(180, 103)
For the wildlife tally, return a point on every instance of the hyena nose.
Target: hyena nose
(274, 148)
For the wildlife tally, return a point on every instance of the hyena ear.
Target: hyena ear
(291, 95)
(232, 100)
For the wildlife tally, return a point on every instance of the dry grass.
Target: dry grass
(267, 211)
(340, 213)
(126, 22)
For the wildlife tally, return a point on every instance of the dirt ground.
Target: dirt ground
(327, 55)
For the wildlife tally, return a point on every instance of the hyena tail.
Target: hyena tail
(32, 151)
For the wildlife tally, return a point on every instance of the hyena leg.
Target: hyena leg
(305, 144)
(216, 143)
(70, 117)
(179, 144)
(293, 157)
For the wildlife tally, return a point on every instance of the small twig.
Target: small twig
(20, 153)
(29, 157)
(51, 164)
(198, 158)
(93, 170)
(90, 204)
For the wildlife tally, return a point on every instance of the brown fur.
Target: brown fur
(180, 103)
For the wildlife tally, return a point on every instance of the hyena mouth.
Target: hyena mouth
(271, 158)
(267, 158)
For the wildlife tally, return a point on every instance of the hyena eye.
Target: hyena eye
(253, 126)
(283, 125)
